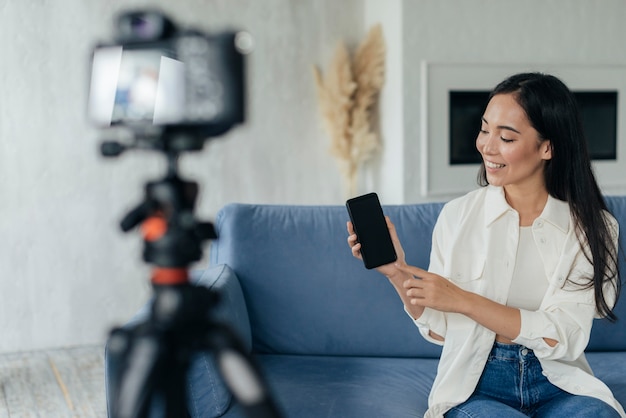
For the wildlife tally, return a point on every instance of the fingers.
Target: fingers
(355, 246)
(415, 271)
(350, 227)
(356, 250)
(416, 280)
(352, 238)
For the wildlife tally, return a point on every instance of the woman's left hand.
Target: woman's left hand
(435, 292)
(432, 291)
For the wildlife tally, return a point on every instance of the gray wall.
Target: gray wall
(68, 274)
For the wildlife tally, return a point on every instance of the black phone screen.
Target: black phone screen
(370, 227)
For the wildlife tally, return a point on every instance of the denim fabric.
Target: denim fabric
(512, 385)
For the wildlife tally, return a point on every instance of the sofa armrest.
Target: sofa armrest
(231, 308)
(207, 393)
(205, 390)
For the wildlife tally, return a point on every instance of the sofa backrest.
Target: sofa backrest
(307, 295)
(304, 291)
(605, 335)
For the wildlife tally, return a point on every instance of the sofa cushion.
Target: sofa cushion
(610, 368)
(313, 387)
(304, 291)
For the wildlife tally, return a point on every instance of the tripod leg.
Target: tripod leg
(150, 381)
(134, 382)
(242, 376)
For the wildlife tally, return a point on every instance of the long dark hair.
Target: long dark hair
(552, 110)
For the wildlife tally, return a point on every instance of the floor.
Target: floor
(54, 383)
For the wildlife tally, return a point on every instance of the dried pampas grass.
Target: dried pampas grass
(347, 97)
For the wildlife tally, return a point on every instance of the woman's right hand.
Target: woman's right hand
(390, 270)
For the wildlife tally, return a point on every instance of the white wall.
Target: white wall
(387, 171)
(66, 272)
(576, 32)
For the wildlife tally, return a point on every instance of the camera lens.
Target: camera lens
(141, 26)
(144, 27)
(137, 23)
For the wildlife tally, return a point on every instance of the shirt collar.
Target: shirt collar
(495, 204)
(556, 212)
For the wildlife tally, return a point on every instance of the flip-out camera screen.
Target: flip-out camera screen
(141, 86)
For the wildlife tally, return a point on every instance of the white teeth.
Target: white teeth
(493, 165)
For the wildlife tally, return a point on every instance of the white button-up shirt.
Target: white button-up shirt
(474, 245)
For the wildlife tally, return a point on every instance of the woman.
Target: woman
(519, 268)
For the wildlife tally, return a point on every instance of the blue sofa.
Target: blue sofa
(330, 336)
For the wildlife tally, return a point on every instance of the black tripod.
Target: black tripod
(155, 354)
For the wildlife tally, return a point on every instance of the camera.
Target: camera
(171, 89)
(161, 82)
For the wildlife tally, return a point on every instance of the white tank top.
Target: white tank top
(529, 283)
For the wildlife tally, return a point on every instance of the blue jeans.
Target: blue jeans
(512, 386)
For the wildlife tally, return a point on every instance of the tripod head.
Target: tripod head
(172, 236)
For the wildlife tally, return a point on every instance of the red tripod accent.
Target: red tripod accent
(153, 229)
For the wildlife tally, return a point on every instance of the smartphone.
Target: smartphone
(371, 229)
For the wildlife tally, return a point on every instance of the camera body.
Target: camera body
(156, 79)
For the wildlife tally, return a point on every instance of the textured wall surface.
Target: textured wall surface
(66, 272)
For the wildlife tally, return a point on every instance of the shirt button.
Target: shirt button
(540, 224)
(542, 240)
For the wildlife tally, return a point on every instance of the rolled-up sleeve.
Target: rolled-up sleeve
(431, 320)
(568, 324)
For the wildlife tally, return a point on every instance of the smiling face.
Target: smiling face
(513, 152)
